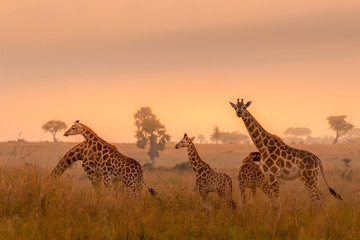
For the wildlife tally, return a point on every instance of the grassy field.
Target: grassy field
(72, 209)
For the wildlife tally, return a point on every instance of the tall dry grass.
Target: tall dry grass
(71, 209)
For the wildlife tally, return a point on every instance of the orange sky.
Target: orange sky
(99, 63)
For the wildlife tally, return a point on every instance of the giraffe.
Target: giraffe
(102, 160)
(90, 166)
(207, 179)
(280, 161)
(251, 176)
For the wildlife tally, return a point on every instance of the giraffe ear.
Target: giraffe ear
(232, 104)
(192, 139)
(77, 123)
(257, 157)
(248, 103)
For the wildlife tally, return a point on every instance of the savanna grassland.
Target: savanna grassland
(71, 209)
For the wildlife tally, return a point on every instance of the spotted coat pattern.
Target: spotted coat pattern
(280, 161)
(207, 180)
(250, 176)
(101, 161)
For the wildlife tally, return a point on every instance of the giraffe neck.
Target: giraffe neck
(89, 135)
(73, 155)
(196, 163)
(257, 133)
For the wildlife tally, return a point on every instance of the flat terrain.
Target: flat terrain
(71, 209)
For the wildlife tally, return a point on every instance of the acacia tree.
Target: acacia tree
(216, 135)
(150, 130)
(54, 126)
(339, 125)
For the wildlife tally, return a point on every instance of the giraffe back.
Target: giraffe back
(250, 174)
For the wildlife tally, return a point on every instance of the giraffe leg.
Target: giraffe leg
(274, 197)
(230, 202)
(225, 193)
(253, 192)
(132, 190)
(312, 186)
(265, 187)
(205, 203)
(106, 178)
(224, 190)
(242, 187)
(93, 174)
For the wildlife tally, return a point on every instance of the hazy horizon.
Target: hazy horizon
(298, 62)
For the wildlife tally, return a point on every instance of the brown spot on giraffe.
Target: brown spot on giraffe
(99, 146)
(288, 164)
(256, 134)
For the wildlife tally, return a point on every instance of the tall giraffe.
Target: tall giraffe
(207, 179)
(251, 176)
(101, 157)
(280, 161)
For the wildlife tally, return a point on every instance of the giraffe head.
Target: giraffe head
(184, 142)
(75, 129)
(240, 107)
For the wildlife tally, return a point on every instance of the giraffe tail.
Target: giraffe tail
(151, 190)
(332, 191)
(335, 194)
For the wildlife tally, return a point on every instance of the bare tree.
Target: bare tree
(54, 126)
(339, 125)
(215, 137)
(150, 130)
(201, 138)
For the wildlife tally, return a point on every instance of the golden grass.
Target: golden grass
(72, 209)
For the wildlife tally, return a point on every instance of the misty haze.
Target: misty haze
(116, 121)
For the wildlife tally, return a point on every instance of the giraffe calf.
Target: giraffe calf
(250, 176)
(207, 179)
